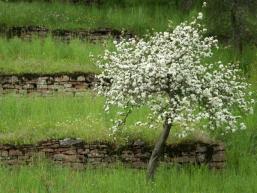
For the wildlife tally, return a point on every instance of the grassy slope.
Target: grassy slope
(134, 16)
(48, 55)
(45, 178)
(27, 119)
(30, 119)
(136, 19)
(239, 175)
(37, 118)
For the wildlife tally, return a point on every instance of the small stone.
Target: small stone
(200, 157)
(4, 153)
(218, 156)
(63, 78)
(95, 154)
(43, 78)
(71, 142)
(200, 149)
(15, 153)
(8, 86)
(70, 152)
(65, 158)
(84, 152)
(81, 78)
(81, 86)
(139, 143)
(41, 81)
(67, 85)
(42, 86)
(14, 79)
(59, 157)
(29, 86)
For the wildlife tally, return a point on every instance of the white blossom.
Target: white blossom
(200, 16)
(166, 72)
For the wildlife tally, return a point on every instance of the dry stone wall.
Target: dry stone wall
(82, 2)
(79, 154)
(74, 83)
(34, 31)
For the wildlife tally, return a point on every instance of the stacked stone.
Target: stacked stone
(46, 84)
(78, 154)
(198, 153)
(13, 155)
(218, 156)
(135, 154)
(65, 35)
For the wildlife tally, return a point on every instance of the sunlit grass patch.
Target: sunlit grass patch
(135, 18)
(28, 119)
(45, 177)
(49, 55)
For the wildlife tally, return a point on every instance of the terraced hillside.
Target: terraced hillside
(48, 73)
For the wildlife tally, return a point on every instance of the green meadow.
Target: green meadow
(49, 55)
(56, 15)
(45, 178)
(26, 119)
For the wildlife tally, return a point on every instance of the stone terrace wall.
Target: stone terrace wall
(79, 154)
(66, 35)
(46, 84)
(82, 2)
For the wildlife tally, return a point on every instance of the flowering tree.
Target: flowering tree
(166, 72)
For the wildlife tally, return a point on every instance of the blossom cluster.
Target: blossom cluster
(167, 72)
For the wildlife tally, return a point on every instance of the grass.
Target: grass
(239, 175)
(247, 60)
(28, 119)
(135, 18)
(44, 177)
(48, 55)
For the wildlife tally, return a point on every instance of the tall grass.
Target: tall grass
(135, 18)
(48, 55)
(247, 60)
(28, 119)
(45, 178)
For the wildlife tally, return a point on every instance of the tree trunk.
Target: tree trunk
(153, 162)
